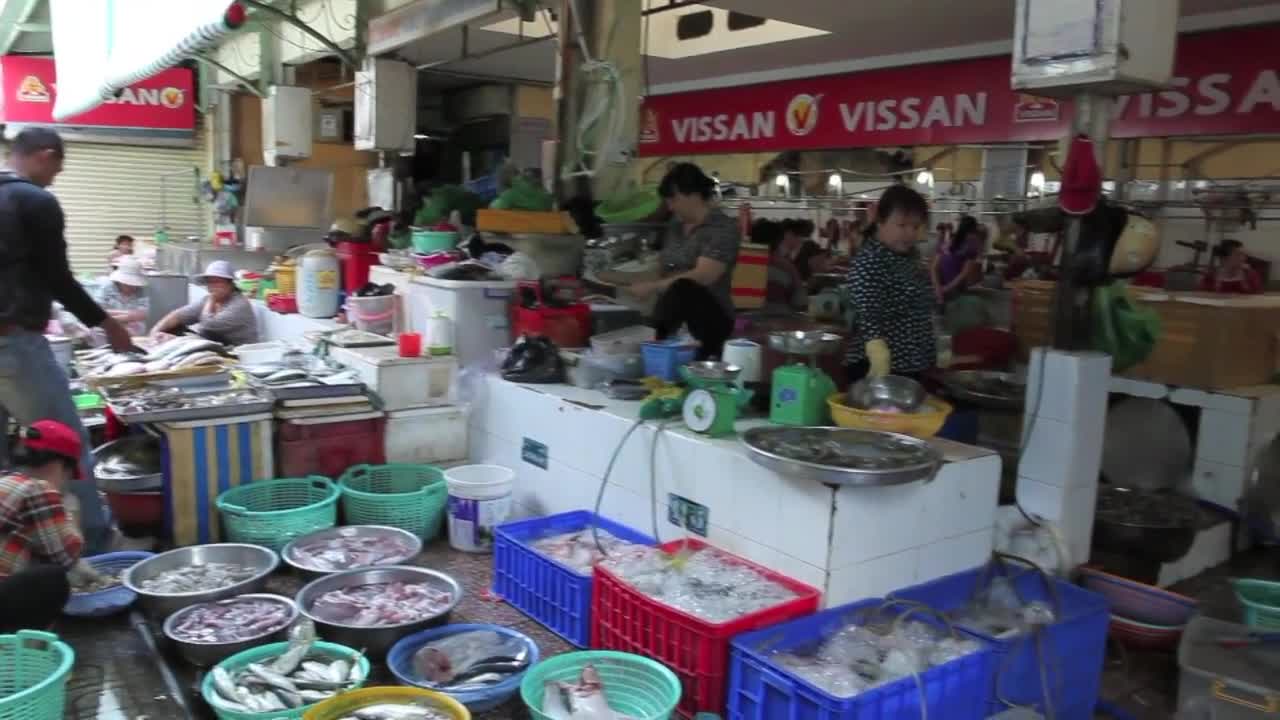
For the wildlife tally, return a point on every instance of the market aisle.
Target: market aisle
(107, 649)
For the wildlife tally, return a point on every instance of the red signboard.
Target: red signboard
(163, 102)
(1226, 82)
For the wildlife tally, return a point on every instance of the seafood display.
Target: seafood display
(470, 660)
(298, 677)
(842, 456)
(581, 700)
(231, 620)
(396, 711)
(876, 451)
(351, 550)
(198, 578)
(998, 611)
(171, 403)
(582, 550)
(859, 658)
(704, 582)
(176, 354)
(379, 604)
(105, 580)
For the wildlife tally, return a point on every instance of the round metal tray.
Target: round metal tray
(987, 389)
(805, 342)
(890, 458)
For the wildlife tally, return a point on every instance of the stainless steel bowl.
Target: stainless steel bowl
(900, 392)
(207, 654)
(870, 458)
(414, 542)
(376, 639)
(713, 370)
(805, 342)
(130, 464)
(161, 605)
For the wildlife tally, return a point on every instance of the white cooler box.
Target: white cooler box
(400, 382)
(427, 436)
(480, 312)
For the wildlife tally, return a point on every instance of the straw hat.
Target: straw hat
(216, 269)
(128, 272)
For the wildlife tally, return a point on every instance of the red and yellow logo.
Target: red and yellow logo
(649, 130)
(172, 98)
(1030, 108)
(802, 114)
(32, 89)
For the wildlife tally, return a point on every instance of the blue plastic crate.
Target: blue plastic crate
(761, 690)
(662, 359)
(542, 588)
(1074, 646)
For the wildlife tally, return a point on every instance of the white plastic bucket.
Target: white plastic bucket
(479, 501)
(373, 314)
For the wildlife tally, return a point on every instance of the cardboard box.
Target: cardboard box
(1207, 341)
(750, 277)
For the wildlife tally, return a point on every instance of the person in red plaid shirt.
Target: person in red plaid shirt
(39, 543)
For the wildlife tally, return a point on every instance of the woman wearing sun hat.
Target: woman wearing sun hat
(124, 295)
(224, 315)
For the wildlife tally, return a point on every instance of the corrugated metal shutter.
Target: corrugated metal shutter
(110, 190)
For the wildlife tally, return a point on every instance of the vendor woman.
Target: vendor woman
(224, 315)
(1233, 274)
(124, 296)
(696, 264)
(891, 293)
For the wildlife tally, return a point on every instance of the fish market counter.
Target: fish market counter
(852, 543)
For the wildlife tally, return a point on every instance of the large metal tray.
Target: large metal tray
(987, 389)
(892, 458)
(312, 392)
(197, 413)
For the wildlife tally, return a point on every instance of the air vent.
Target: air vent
(694, 25)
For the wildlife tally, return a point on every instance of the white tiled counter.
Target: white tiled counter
(852, 543)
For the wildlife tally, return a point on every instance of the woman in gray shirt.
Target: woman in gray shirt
(699, 252)
(224, 315)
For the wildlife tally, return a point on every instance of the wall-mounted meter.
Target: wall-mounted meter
(286, 123)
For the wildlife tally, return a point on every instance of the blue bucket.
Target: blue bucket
(400, 661)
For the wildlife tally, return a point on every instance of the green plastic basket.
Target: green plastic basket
(271, 513)
(635, 685)
(34, 667)
(241, 660)
(1261, 602)
(429, 241)
(409, 497)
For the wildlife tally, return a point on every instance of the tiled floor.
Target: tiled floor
(118, 677)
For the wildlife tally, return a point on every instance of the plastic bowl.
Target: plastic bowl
(347, 703)
(400, 661)
(111, 600)
(1145, 636)
(1138, 601)
(924, 424)
(239, 661)
(637, 686)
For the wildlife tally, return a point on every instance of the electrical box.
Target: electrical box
(286, 123)
(331, 124)
(386, 97)
(1104, 47)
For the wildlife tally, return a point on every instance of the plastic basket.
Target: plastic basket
(697, 650)
(542, 588)
(663, 359)
(409, 497)
(637, 686)
(34, 667)
(1260, 600)
(270, 513)
(373, 314)
(400, 662)
(347, 703)
(1226, 683)
(429, 241)
(112, 600)
(260, 654)
(1074, 647)
(762, 690)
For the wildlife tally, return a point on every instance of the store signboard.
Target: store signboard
(161, 104)
(1226, 82)
(423, 19)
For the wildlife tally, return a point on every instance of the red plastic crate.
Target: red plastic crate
(328, 449)
(697, 651)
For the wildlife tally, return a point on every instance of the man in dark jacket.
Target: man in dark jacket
(33, 274)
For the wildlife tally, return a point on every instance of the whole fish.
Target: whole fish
(125, 368)
(583, 700)
(284, 376)
(202, 357)
(301, 638)
(463, 656)
(395, 711)
(260, 688)
(346, 552)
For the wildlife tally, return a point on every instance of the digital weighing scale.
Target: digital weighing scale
(800, 389)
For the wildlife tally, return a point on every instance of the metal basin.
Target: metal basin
(414, 542)
(713, 370)
(842, 456)
(1157, 526)
(375, 639)
(895, 391)
(130, 464)
(161, 605)
(207, 654)
(805, 342)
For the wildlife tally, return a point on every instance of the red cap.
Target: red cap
(1081, 178)
(52, 436)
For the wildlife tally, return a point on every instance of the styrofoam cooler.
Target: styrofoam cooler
(426, 436)
(479, 311)
(401, 382)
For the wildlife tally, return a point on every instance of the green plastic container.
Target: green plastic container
(430, 241)
(409, 497)
(34, 667)
(1261, 602)
(630, 206)
(638, 687)
(241, 660)
(271, 513)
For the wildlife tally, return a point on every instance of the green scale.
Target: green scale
(715, 399)
(800, 389)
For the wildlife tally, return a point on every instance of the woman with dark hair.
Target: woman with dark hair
(890, 293)
(809, 257)
(1233, 274)
(784, 289)
(699, 252)
(953, 266)
(39, 542)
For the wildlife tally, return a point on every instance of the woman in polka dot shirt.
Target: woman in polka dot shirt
(891, 293)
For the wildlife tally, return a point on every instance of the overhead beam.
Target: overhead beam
(22, 14)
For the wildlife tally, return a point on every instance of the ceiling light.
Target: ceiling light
(836, 181)
(925, 178)
(1037, 181)
(782, 180)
